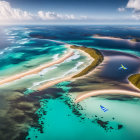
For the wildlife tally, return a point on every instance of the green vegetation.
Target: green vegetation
(136, 40)
(95, 54)
(135, 80)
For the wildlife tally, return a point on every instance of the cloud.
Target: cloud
(121, 9)
(11, 15)
(136, 16)
(54, 16)
(135, 5)
(14, 15)
(7, 13)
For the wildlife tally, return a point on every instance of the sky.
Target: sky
(70, 12)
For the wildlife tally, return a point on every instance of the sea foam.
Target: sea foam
(74, 69)
(75, 56)
(55, 57)
(44, 71)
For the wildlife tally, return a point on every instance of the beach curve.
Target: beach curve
(83, 96)
(131, 41)
(35, 70)
(96, 57)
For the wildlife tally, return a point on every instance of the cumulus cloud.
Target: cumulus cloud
(136, 16)
(135, 5)
(54, 16)
(7, 13)
(121, 9)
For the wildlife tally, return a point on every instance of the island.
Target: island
(135, 80)
(93, 53)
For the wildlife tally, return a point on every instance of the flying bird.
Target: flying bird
(122, 67)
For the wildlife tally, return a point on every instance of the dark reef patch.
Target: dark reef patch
(77, 110)
(120, 126)
(103, 124)
(21, 113)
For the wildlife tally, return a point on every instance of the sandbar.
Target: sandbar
(131, 41)
(35, 70)
(106, 92)
(94, 54)
(54, 82)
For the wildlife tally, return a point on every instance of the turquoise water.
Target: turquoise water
(60, 122)
(59, 117)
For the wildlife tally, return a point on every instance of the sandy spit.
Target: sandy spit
(35, 70)
(114, 38)
(54, 82)
(81, 97)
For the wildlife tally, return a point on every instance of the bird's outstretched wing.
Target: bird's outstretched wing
(122, 67)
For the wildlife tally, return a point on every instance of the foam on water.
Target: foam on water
(39, 83)
(44, 71)
(74, 69)
(55, 57)
(74, 57)
(1, 52)
(23, 41)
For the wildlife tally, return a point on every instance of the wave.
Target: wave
(10, 39)
(38, 83)
(27, 32)
(2, 52)
(74, 57)
(55, 57)
(16, 47)
(23, 41)
(44, 71)
(9, 49)
(74, 69)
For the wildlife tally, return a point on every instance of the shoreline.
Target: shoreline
(94, 93)
(131, 41)
(35, 70)
(78, 75)
(94, 54)
(52, 83)
(134, 80)
(89, 52)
